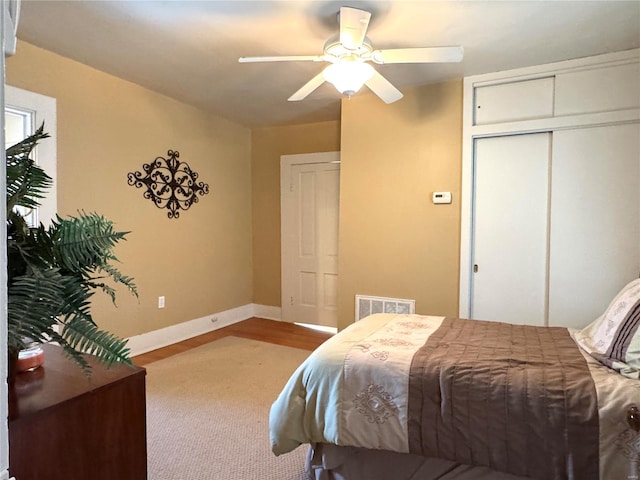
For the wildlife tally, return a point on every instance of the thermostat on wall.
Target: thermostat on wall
(441, 197)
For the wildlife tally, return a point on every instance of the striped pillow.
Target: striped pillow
(614, 338)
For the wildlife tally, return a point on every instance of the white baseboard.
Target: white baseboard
(267, 311)
(162, 337)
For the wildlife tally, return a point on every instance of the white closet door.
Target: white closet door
(595, 220)
(510, 228)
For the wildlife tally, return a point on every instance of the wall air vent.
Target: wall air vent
(366, 305)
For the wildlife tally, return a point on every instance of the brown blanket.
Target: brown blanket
(514, 398)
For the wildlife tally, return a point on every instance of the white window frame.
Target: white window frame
(41, 108)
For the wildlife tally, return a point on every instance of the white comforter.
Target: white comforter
(344, 395)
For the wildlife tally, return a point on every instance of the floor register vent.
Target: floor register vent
(366, 305)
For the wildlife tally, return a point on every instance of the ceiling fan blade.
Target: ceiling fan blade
(383, 88)
(283, 58)
(353, 27)
(418, 55)
(307, 88)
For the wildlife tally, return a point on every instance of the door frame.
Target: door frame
(286, 164)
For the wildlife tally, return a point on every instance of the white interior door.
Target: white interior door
(510, 237)
(310, 209)
(595, 220)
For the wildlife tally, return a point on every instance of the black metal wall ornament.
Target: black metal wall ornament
(170, 183)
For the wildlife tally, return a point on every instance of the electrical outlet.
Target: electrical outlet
(161, 301)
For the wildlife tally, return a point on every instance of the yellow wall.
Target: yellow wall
(108, 127)
(268, 144)
(225, 251)
(393, 240)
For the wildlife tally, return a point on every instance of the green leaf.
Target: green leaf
(84, 336)
(84, 243)
(54, 272)
(71, 353)
(34, 300)
(26, 181)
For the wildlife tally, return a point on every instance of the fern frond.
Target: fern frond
(84, 336)
(85, 242)
(72, 354)
(107, 289)
(118, 277)
(33, 302)
(27, 248)
(26, 181)
(25, 147)
(77, 299)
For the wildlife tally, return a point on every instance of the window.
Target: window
(24, 112)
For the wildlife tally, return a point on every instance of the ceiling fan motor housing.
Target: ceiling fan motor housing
(334, 48)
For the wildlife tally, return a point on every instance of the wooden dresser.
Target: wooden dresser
(66, 426)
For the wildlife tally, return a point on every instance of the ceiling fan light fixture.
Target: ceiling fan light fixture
(348, 77)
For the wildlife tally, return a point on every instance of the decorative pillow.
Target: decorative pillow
(614, 338)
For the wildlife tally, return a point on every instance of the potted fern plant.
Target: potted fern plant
(54, 271)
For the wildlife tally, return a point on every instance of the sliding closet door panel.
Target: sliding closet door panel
(510, 228)
(595, 220)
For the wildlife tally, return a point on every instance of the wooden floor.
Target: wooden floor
(280, 333)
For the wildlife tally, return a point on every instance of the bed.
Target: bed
(423, 398)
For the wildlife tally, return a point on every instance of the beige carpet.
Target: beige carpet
(208, 412)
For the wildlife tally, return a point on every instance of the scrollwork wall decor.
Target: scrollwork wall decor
(169, 183)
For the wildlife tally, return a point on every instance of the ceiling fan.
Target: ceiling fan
(349, 53)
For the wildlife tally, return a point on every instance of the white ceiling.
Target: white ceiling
(189, 49)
